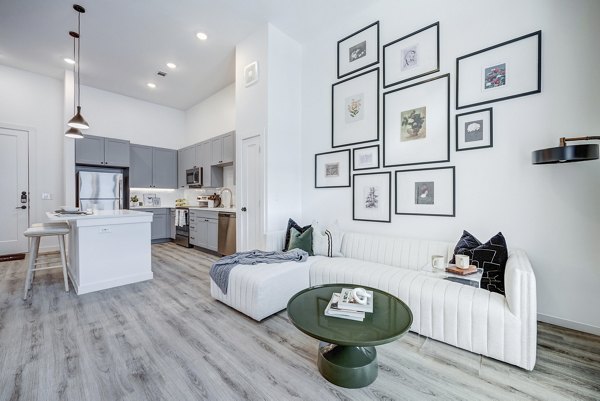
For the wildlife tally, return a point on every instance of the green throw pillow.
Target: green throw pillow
(301, 240)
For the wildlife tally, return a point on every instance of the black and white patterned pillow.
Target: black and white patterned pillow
(467, 241)
(491, 257)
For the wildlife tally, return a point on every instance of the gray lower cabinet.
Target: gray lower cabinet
(204, 229)
(152, 167)
(100, 151)
(161, 223)
(172, 227)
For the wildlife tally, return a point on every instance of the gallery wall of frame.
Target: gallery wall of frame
(415, 117)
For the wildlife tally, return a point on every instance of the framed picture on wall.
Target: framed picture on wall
(412, 56)
(474, 130)
(355, 109)
(427, 192)
(332, 169)
(365, 158)
(504, 71)
(358, 50)
(416, 123)
(371, 200)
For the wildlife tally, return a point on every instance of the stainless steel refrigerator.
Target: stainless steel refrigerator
(100, 191)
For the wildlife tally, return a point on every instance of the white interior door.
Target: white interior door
(251, 201)
(14, 190)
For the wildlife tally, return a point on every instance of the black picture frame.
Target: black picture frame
(386, 219)
(370, 26)
(489, 110)
(337, 182)
(505, 93)
(396, 42)
(447, 110)
(354, 168)
(452, 168)
(370, 133)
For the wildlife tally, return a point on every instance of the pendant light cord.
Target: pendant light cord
(74, 66)
(78, 58)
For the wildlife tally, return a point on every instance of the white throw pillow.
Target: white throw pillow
(327, 242)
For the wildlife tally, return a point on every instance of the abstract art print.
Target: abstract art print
(412, 56)
(358, 50)
(371, 199)
(416, 123)
(332, 169)
(428, 192)
(355, 109)
(474, 130)
(504, 71)
(365, 158)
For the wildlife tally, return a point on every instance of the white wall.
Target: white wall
(550, 211)
(211, 117)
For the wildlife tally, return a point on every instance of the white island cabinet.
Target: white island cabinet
(108, 249)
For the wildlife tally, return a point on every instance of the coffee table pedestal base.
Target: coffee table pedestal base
(350, 367)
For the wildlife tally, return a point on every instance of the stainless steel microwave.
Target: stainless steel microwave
(193, 177)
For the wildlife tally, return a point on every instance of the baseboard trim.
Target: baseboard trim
(569, 324)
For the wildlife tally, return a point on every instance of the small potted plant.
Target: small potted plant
(134, 201)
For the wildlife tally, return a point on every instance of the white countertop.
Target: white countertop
(208, 209)
(98, 214)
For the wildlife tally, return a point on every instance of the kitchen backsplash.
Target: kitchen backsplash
(168, 196)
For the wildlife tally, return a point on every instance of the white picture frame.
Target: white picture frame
(355, 109)
(426, 192)
(358, 50)
(371, 198)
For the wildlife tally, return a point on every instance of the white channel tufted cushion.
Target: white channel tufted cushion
(474, 319)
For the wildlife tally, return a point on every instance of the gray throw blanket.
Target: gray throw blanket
(220, 270)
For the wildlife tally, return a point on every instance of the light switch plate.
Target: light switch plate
(46, 196)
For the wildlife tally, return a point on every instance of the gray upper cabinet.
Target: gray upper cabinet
(100, 151)
(186, 160)
(223, 149)
(164, 168)
(152, 167)
(140, 171)
(212, 177)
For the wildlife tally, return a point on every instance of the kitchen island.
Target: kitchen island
(108, 248)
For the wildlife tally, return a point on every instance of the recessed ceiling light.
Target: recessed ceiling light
(202, 36)
(151, 85)
(69, 60)
(171, 66)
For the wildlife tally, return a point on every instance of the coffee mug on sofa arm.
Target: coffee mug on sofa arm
(438, 262)
(462, 261)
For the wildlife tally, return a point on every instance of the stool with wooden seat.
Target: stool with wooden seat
(35, 233)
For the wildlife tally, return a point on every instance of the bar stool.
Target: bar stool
(35, 233)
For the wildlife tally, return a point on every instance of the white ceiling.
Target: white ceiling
(125, 43)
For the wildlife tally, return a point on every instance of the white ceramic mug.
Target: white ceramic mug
(360, 295)
(438, 262)
(462, 261)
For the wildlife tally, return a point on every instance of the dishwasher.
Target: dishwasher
(226, 244)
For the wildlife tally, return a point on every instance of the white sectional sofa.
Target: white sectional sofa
(483, 322)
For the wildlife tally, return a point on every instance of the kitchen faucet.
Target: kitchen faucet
(230, 196)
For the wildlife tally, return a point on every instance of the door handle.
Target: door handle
(21, 207)
(244, 209)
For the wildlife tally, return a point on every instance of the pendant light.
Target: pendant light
(74, 132)
(78, 121)
(567, 153)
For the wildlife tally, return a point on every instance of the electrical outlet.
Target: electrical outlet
(46, 196)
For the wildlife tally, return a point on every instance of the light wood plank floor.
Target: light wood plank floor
(167, 339)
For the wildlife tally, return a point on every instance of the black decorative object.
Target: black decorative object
(372, 197)
(365, 158)
(475, 130)
(332, 169)
(412, 56)
(488, 75)
(491, 257)
(74, 133)
(77, 121)
(292, 224)
(426, 192)
(567, 153)
(355, 109)
(358, 50)
(416, 123)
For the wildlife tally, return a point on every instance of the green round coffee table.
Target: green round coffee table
(347, 355)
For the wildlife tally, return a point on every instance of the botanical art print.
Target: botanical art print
(413, 124)
(410, 57)
(372, 197)
(332, 169)
(424, 193)
(354, 108)
(494, 76)
(357, 51)
(474, 131)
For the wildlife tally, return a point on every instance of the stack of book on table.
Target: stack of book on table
(344, 306)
